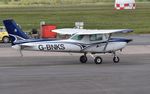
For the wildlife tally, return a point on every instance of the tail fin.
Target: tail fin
(14, 31)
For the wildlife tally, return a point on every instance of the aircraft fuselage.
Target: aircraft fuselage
(67, 46)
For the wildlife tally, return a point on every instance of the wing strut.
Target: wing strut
(107, 42)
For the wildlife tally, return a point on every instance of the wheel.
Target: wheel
(98, 60)
(83, 59)
(116, 59)
(5, 39)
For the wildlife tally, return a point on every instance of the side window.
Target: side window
(96, 37)
(80, 37)
(99, 37)
(77, 37)
(92, 37)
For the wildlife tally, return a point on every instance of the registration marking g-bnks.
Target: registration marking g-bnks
(51, 47)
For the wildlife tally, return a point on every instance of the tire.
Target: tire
(98, 60)
(83, 59)
(116, 59)
(5, 39)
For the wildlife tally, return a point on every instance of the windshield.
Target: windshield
(77, 37)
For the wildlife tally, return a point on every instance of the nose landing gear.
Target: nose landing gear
(116, 59)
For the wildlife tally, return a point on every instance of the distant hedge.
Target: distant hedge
(57, 2)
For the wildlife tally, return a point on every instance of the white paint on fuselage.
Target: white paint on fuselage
(71, 45)
(112, 46)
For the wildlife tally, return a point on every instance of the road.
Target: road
(65, 75)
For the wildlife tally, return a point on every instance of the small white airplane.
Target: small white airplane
(81, 41)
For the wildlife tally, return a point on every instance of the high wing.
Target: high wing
(71, 31)
(66, 31)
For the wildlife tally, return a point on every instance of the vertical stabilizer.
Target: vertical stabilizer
(14, 31)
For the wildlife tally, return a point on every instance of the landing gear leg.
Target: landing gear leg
(116, 59)
(83, 58)
(97, 59)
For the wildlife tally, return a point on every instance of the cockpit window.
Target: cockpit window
(96, 37)
(77, 37)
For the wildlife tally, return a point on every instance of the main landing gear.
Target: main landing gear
(98, 59)
(83, 59)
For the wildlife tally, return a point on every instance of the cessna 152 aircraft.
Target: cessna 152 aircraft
(81, 41)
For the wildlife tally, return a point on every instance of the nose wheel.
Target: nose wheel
(116, 59)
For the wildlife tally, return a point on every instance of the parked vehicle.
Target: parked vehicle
(4, 37)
